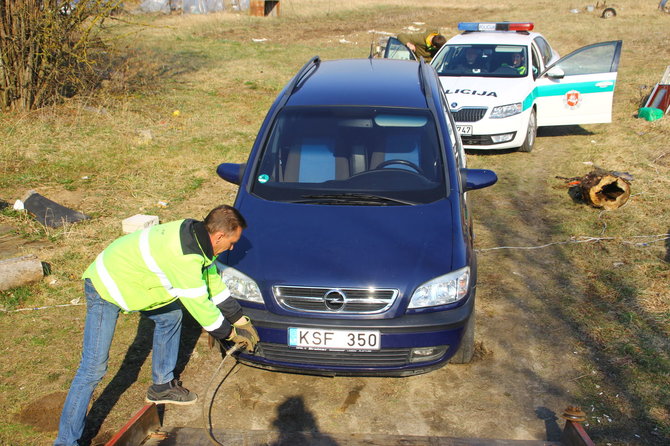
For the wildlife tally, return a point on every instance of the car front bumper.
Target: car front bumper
(400, 337)
(484, 130)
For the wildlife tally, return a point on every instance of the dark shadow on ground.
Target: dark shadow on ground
(562, 130)
(130, 368)
(297, 426)
(550, 419)
(542, 132)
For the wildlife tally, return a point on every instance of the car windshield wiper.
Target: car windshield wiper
(351, 199)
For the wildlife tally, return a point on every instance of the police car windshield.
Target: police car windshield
(334, 155)
(482, 61)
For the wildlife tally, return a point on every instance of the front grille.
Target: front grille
(469, 114)
(388, 357)
(476, 140)
(334, 300)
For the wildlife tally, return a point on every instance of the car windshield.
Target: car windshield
(352, 156)
(482, 61)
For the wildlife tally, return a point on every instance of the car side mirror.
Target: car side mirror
(478, 178)
(231, 172)
(555, 73)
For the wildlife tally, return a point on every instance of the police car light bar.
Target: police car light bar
(495, 26)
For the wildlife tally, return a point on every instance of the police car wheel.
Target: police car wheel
(531, 133)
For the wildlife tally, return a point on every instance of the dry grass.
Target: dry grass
(124, 150)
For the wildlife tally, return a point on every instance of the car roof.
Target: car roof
(497, 37)
(361, 82)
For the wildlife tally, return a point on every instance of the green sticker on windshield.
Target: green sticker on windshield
(263, 178)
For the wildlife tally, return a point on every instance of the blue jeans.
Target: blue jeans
(99, 329)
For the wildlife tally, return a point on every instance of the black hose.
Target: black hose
(207, 414)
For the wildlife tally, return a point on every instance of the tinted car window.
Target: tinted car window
(593, 59)
(384, 151)
(482, 60)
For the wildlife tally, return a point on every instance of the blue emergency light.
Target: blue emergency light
(495, 26)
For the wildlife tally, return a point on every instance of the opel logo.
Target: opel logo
(334, 300)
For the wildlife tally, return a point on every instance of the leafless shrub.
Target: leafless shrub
(47, 49)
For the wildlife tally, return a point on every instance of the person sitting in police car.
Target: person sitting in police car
(473, 62)
(517, 63)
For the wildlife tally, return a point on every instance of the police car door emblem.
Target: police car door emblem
(572, 99)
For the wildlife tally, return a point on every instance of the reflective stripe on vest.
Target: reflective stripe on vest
(215, 325)
(154, 268)
(109, 282)
(223, 295)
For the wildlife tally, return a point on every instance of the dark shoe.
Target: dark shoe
(174, 394)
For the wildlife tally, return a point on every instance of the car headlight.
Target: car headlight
(241, 286)
(442, 290)
(504, 111)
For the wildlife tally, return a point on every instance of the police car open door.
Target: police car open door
(397, 50)
(579, 88)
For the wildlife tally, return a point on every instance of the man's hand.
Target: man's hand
(244, 334)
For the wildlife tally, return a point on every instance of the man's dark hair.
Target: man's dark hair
(224, 219)
(438, 41)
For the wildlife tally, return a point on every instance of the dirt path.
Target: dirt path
(522, 378)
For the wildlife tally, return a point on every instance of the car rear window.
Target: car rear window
(321, 152)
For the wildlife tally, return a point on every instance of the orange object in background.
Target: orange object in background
(263, 8)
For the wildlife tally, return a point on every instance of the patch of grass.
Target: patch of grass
(11, 299)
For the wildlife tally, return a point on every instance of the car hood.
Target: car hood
(483, 91)
(344, 246)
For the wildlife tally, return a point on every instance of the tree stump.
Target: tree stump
(604, 190)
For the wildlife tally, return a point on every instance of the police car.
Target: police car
(503, 81)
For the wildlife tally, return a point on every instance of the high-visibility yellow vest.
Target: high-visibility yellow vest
(150, 268)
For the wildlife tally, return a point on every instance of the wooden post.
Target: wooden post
(19, 271)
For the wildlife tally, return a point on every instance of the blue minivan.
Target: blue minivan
(358, 258)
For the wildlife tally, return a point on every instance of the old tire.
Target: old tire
(467, 348)
(608, 13)
(531, 133)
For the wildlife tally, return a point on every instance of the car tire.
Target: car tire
(467, 348)
(531, 133)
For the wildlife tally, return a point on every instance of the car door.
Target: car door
(579, 88)
(397, 50)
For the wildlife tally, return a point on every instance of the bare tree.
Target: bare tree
(47, 48)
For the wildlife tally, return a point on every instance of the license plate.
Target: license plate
(464, 129)
(319, 339)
